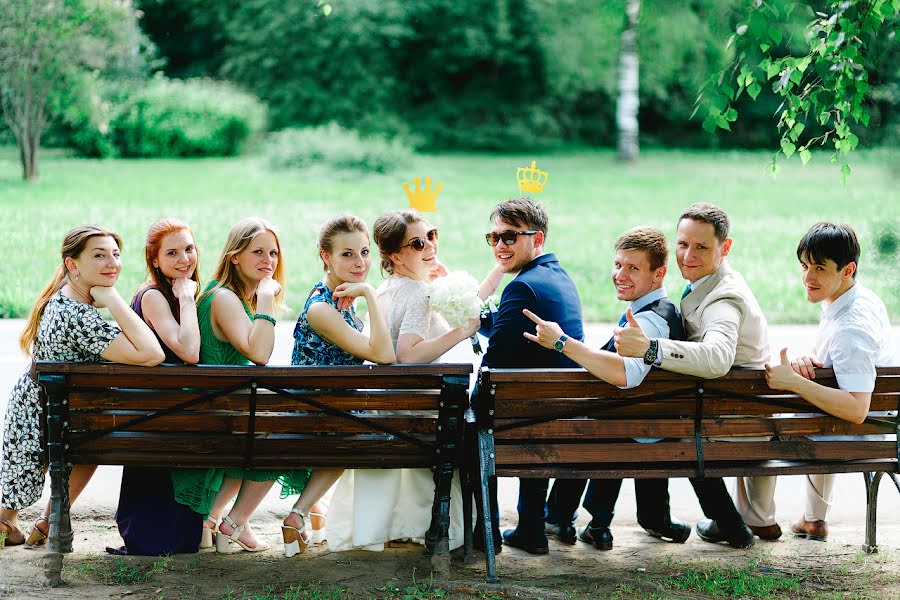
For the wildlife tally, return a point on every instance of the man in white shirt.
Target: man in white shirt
(854, 337)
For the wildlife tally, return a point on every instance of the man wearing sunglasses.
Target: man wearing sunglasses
(540, 285)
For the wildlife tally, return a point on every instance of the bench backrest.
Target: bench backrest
(547, 422)
(236, 416)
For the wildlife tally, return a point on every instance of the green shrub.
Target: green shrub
(195, 117)
(335, 147)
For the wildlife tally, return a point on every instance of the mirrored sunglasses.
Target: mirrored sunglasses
(508, 237)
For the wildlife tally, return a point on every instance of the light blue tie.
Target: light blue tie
(687, 290)
(623, 321)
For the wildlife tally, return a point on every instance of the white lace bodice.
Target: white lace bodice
(407, 310)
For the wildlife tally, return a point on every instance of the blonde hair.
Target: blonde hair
(73, 245)
(226, 273)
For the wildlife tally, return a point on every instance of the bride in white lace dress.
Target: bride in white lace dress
(373, 506)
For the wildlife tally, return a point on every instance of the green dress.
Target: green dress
(197, 488)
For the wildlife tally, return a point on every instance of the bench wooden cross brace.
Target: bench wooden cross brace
(567, 423)
(253, 417)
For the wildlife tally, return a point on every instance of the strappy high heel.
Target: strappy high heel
(208, 536)
(223, 540)
(316, 527)
(296, 539)
(36, 537)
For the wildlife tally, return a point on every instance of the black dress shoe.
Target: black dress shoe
(564, 533)
(535, 545)
(600, 537)
(676, 531)
(478, 541)
(708, 531)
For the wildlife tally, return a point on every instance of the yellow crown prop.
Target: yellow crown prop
(423, 200)
(531, 179)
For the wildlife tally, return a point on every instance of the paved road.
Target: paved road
(847, 519)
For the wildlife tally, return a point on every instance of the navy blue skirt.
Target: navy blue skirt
(149, 519)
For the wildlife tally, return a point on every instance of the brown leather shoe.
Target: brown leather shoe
(766, 532)
(811, 530)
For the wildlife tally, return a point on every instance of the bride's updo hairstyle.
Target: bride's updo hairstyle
(390, 231)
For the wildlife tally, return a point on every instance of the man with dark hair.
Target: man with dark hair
(725, 327)
(541, 286)
(639, 268)
(854, 337)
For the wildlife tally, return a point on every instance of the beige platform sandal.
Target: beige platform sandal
(316, 527)
(223, 540)
(296, 539)
(208, 536)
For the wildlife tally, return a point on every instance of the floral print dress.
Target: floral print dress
(69, 331)
(312, 349)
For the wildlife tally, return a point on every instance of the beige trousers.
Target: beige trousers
(755, 498)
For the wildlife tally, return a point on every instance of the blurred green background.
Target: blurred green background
(216, 110)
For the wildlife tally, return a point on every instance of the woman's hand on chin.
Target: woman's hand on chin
(268, 287)
(103, 295)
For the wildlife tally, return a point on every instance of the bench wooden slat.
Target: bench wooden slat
(212, 421)
(713, 469)
(238, 460)
(587, 429)
(667, 407)
(240, 401)
(538, 454)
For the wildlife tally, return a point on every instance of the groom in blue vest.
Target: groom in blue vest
(517, 237)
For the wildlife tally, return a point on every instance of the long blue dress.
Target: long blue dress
(149, 519)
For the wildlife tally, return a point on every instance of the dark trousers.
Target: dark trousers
(600, 500)
(652, 502)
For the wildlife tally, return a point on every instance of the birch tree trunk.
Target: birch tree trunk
(627, 107)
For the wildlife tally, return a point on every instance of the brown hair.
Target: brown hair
(226, 273)
(709, 213)
(335, 226)
(522, 212)
(650, 240)
(153, 245)
(73, 245)
(389, 231)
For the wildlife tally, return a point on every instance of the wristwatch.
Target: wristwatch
(559, 344)
(651, 353)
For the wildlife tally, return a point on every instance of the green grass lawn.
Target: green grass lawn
(591, 198)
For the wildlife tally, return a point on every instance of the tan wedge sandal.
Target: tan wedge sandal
(296, 539)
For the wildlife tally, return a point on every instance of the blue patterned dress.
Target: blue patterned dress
(312, 349)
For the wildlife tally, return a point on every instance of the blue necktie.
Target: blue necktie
(687, 290)
(623, 321)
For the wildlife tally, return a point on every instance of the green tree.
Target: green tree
(822, 75)
(49, 49)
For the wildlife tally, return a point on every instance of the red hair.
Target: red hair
(153, 245)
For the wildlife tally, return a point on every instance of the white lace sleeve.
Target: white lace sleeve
(416, 315)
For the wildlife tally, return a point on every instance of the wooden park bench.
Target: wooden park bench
(252, 417)
(566, 423)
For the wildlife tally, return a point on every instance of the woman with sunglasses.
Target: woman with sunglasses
(373, 506)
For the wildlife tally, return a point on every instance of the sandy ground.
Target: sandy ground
(638, 566)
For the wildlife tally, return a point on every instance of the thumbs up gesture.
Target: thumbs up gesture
(781, 376)
(630, 340)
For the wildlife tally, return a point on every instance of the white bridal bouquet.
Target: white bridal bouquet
(455, 296)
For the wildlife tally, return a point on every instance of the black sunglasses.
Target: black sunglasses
(508, 237)
(418, 244)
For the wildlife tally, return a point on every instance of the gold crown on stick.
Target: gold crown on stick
(423, 200)
(531, 179)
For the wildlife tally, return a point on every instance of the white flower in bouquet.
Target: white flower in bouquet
(455, 296)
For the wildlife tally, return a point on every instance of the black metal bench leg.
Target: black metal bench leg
(440, 560)
(872, 480)
(465, 480)
(60, 538)
(486, 468)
